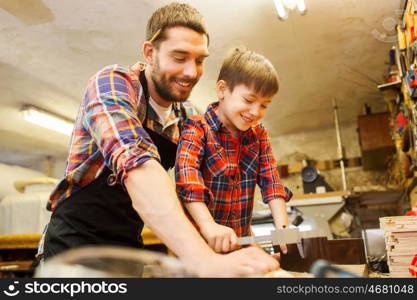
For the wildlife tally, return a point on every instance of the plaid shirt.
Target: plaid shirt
(216, 168)
(413, 266)
(108, 130)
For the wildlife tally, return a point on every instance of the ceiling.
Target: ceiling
(50, 48)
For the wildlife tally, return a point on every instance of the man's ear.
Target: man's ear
(220, 89)
(148, 51)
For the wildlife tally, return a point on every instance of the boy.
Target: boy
(224, 153)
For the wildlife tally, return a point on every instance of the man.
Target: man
(125, 135)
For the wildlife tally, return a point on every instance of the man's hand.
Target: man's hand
(221, 239)
(250, 261)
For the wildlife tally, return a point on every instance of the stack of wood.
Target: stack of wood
(401, 243)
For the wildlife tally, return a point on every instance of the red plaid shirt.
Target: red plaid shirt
(216, 168)
(413, 266)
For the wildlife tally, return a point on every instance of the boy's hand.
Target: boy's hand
(284, 249)
(221, 239)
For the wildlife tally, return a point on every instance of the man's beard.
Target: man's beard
(162, 86)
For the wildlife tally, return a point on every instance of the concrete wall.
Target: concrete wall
(318, 144)
(322, 145)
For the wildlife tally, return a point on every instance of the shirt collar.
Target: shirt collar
(212, 118)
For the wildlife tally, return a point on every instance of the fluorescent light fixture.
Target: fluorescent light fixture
(284, 6)
(290, 4)
(301, 7)
(47, 119)
(282, 12)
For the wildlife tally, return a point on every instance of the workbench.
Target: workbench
(17, 252)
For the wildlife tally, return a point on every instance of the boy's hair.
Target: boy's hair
(171, 15)
(254, 70)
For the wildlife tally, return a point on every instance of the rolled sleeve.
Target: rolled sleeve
(189, 180)
(268, 176)
(111, 119)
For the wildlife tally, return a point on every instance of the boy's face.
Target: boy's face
(241, 109)
(178, 63)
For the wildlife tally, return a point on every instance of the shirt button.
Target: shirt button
(111, 180)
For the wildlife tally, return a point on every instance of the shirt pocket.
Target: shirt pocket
(249, 160)
(216, 161)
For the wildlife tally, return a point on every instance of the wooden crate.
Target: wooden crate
(375, 140)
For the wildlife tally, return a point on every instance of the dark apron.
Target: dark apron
(101, 213)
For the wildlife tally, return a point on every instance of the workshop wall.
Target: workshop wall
(48, 166)
(357, 179)
(322, 145)
(318, 144)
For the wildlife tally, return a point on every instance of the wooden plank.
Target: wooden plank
(359, 270)
(401, 243)
(347, 251)
(294, 168)
(16, 265)
(19, 241)
(321, 195)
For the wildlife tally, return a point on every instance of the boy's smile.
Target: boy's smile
(247, 119)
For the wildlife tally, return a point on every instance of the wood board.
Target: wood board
(401, 243)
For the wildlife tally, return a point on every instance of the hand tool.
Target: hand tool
(277, 237)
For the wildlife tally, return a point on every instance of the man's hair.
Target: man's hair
(172, 15)
(252, 69)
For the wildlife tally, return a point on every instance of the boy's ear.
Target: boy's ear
(220, 89)
(148, 51)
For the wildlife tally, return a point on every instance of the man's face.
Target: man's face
(178, 63)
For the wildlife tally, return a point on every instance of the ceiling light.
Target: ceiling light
(284, 6)
(301, 6)
(47, 119)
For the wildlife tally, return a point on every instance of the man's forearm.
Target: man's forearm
(154, 198)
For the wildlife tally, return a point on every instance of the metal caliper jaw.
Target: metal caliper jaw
(276, 238)
(288, 236)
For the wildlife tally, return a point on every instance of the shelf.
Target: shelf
(390, 85)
